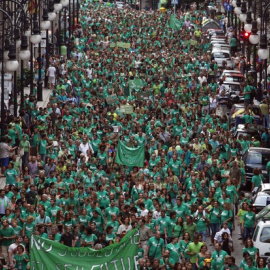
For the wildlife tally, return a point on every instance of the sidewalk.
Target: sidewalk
(45, 94)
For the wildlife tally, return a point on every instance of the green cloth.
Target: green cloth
(130, 156)
(174, 23)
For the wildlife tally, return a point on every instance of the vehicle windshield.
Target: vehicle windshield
(234, 79)
(258, 158)
(232, 87)
(221, 55)
(265, 235)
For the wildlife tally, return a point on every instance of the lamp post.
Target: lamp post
(24, 55)
(11, 64)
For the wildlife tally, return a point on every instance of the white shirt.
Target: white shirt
(144, 213)
(156, 215)
(124, 229)
(51, 71)
(84, 148)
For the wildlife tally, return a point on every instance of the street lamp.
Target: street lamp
(248, 24)
(254, 37)
(24, 54)
(237, 9)
(12, 63)
(263, 52)
(45, 23)
(51, 13)
(243, 14)
(57, 6)
(36, 37)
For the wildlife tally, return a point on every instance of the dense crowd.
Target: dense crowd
(62, 182)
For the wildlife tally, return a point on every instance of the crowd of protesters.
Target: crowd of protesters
(58, 162)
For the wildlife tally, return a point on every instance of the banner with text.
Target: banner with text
(49, 255)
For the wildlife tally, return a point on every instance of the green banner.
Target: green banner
(175, 23)
(123, 45)
(129, 156)
(135, 84)
(49, 255)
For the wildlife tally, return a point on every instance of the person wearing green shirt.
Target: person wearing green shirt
(42, 146)
(218, 257)
(155, 246)
(214, 220)
(256, 179)
(11, 175)
(247, 94)
(194, 248)
(248, 223)
(226, 215)
(233, 44)
(7, 235)
(250, 264)
(111, 210)
(162, 224)
(25, 145)
(201, 218)
(21, 258)
(174, 248)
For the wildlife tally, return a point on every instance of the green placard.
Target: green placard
(50, 255)
(111, 99)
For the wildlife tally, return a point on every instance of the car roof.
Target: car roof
(218, 50)
(231, 71)
(234, 74)
(259, 149)
(232, 83)
(265, 186)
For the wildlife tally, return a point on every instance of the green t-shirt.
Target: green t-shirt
(249, 219)
(252, 251)
(174, 251)
(9, 232)
(256, 180)
(155, 247)
(20, 261)
(192, 247)
(219, 258)
(11, 176)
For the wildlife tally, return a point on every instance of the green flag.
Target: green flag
(50, 255)
(174, 23)
(129, 156)
(135, 84)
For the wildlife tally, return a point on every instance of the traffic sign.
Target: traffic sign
(225, 3)
(174, 2)
(228, 7)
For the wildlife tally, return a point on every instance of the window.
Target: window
(265, 235)
(254, 158)
(256, 233)
(221, 55)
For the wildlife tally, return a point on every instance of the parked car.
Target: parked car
(233, 77)
(234, 91)
(220, 56)
(264, 214)
(218, 41)
(221, 46)
(264, 187)
(261, 238)
(256, 157)
(262, 199)
(227, 72)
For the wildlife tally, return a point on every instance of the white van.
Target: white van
(261, 238)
